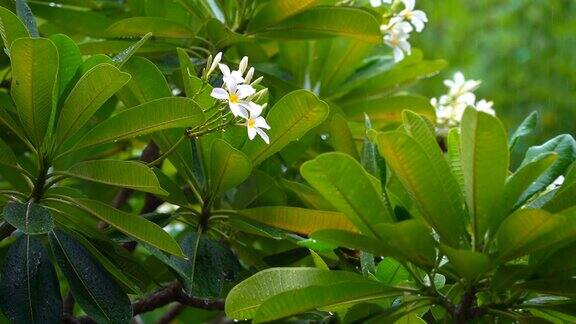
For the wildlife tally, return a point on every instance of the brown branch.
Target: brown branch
(171, 314)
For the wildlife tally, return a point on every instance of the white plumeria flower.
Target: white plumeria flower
(459, 85)
(396, 36)
(485, 106)
(418, 18)
(234, 94)
(230, 77)
(256, 123)
(378, 3)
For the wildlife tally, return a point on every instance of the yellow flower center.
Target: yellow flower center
(409, 15)
(233, 98)
(251, 123)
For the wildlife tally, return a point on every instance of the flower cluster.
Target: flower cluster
(450, 107)
(397, 31)
(238, 92)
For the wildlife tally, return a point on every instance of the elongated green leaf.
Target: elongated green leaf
(11, 28)
(309, 196)
(343, 57)
(327, 21)
(127, 174)
(70, 60)
(485, 159)
(290, 119)
(427, 180)
(341, 137)
(565, 147)
(391, 272)
(93, 289)
(525, 128)
(550, 286)
(228, 167)
(524, 177)
(564, 197)
(140, 26)
(351, 240)
(30, 218)
(388, 110)
(113, 47)
(7, 157)
(134, 226)
(276, 11)
(526, 231)
(299, 220)
(121, 58)
(34, 75)
(469, 264)
(144, 119)
(328, 298)
(383, 83)
(410, 240)
(29, 291)
(90, 93)
(27, 17)
(454, 159)
(344, 183)
(245, 298)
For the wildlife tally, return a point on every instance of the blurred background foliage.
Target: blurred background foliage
(524, 51)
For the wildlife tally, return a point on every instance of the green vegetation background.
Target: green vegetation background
(524, 51)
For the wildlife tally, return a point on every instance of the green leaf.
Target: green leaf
(454, 160)
(341, 137)
(332, 297)
(29, 291)
(525, 128)
(290, 119)
(550, 286)
(391, 272)
(428, 181)
(126, 174)
(94, 88)
(381, 84)
(11, 28)
(30, 218)
(410, 240)
(351, 240)
(147, 118)
(485, 158)
(140, 26)
(275, 11)
(227, 168)
(344, 183)
(215, 264)
(7, 156)
(564, 197)
(121, 58)
(27, 17)
(388, 110)
(565, 147)
(70, 60)
(34, 77)
(309, 196)
(524, 177)
(299, 220)
(469, 264)
(93, 289)
(526, 231)
(134, 226)
(245, 298)
(327, 21)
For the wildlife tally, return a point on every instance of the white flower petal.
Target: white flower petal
(260, 122)
(238, 111)
(224, 69)
(409, 4)
(245, 90)
(421, 15)
(251, 133)
(418, 24)
(398, 54)
(219, 93)
(254, 108)
(263, 135)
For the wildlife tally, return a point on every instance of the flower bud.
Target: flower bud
(249, 75)
(243, 65)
